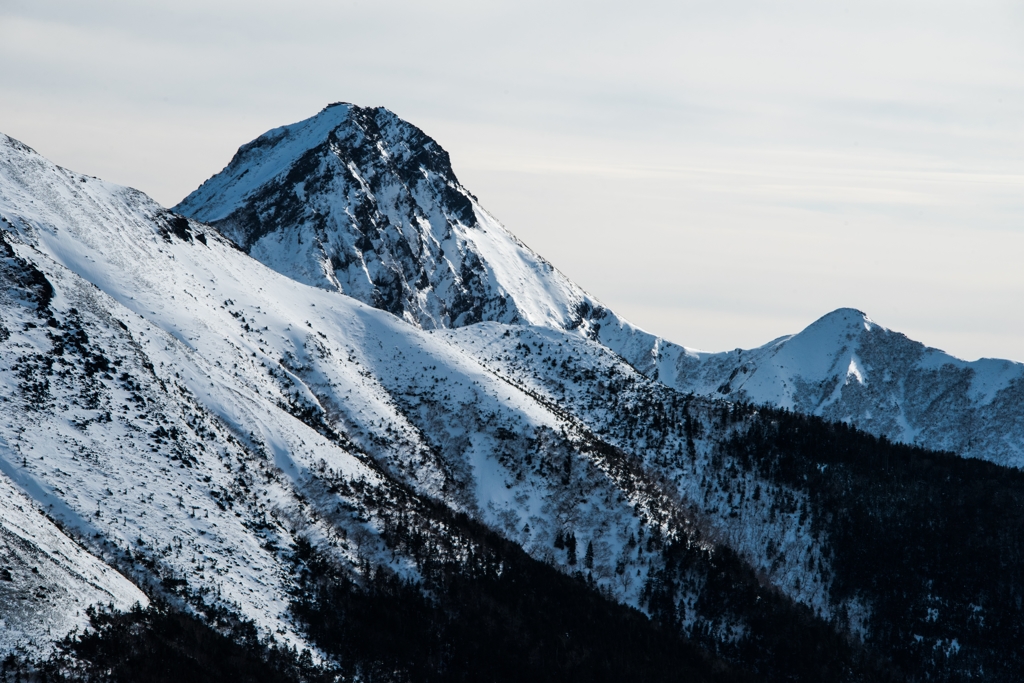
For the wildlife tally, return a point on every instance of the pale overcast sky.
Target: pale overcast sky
(721, 173)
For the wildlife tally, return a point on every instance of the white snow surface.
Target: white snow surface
(49, 580)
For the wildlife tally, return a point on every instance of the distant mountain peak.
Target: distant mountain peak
(842, 319)
(848, 368)
(846, 314)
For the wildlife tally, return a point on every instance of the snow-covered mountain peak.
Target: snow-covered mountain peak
(817, 348)
(848, 368)
(257, 162)
(201, 414)
(849, 319)
(359, 201)
(7, 142)
(831, 331)
(198, 422)
(299, 154)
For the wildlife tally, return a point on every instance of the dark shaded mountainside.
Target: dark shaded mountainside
(292, 485)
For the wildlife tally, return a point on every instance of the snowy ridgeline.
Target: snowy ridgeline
(359, 201)
(188, 414)
(847, 368)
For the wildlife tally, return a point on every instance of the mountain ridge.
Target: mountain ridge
(216, 422)
(209, 424)
(846, 367)
(359, 201)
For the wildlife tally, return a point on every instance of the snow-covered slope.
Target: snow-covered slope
(190, 413)
(846, 367)
(46, 579)
(359, 201)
